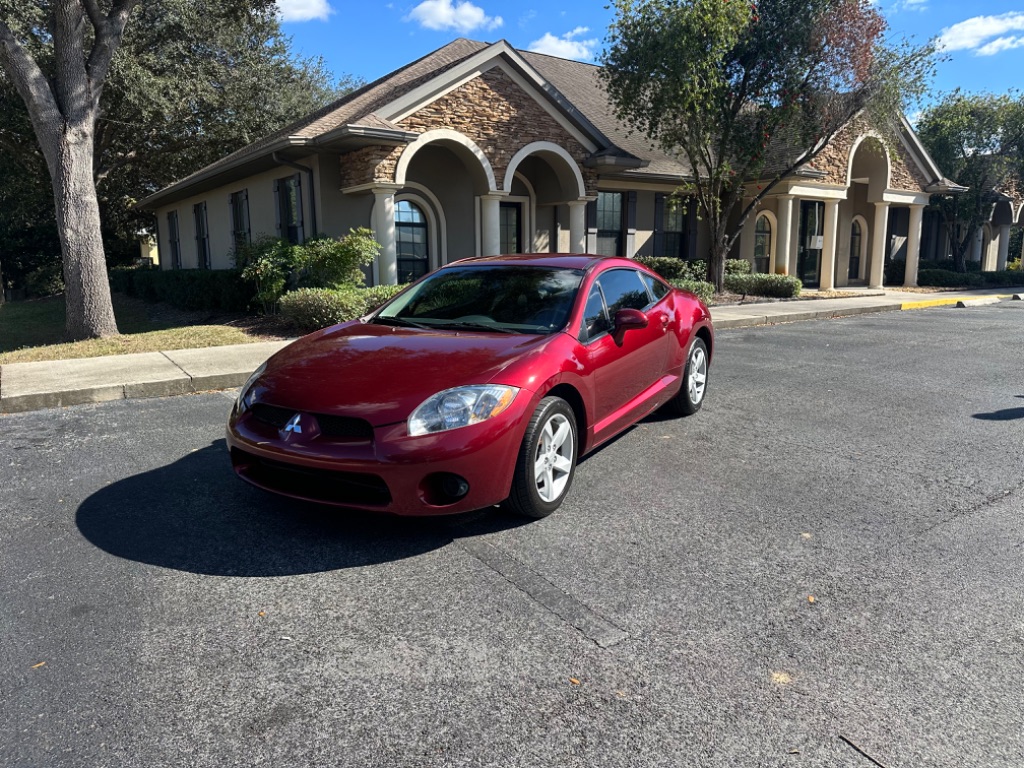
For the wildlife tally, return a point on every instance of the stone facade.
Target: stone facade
(491, 110)
(369, 164)
(835, 160)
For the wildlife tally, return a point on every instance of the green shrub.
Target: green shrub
(674, 269)
(774, 286)
(1003, 278)
(1014, 266)
(45, 280)
(378, 294)
(895, 272)
(310, 309)
(703, 290)
(944, 278)
(265, 264)
(738, 267)
(327, 262)
(193, 289)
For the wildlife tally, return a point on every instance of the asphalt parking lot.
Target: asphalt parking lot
(822, 568)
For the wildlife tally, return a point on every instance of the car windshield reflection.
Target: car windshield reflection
(502, 299)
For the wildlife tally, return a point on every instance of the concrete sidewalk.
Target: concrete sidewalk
(32, 386)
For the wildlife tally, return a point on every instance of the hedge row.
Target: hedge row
(944, 278)
(672, 268)
(703, 290)
(193, 289)
(310, 309)
(759, 284)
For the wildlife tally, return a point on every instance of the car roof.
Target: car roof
(565, 260)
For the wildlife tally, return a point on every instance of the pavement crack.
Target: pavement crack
(566, 607)
(171, 361)
(991, 500)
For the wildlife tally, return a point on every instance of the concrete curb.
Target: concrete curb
(55, 384)
(794, 317)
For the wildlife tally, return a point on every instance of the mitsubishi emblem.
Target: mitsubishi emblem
(293, 424)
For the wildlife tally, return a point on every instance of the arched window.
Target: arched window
(762, 244)
(411, 241)
(856, 244)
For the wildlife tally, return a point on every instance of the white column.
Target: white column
(577, 226)
(490, 225)
(979, 236)
(784, 240)
(1004, 247)
(878, 236)
(747, 233)
(913, 246)
(827, 279)
(386, 268)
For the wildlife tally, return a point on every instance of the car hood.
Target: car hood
(381, 373)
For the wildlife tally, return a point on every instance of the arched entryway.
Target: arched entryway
(544, 192)
(868, 176)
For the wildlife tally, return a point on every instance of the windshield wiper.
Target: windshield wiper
(477, 326)
(401, 321)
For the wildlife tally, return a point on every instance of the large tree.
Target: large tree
(748, 92)
(977, 140)
(126, 108)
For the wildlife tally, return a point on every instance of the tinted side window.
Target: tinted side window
(658, 289)
(595, 319)
(623, 289)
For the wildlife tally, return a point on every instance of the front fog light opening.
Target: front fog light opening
(443, 489)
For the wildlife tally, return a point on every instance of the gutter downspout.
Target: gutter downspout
(276, 156)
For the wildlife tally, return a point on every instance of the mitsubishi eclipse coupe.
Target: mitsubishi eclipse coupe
(481, 384)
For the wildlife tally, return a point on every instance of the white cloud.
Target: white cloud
(304, 10)
(972, 33)
(1000, 44)
(565, 47)
(462, 16)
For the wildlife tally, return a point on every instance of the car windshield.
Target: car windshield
(504, 299)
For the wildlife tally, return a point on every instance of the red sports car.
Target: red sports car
(483, 383)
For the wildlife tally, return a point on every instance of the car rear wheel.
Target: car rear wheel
(546, 462)
(695, 381)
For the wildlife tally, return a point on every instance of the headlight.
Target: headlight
(460, 407)
(242, 402)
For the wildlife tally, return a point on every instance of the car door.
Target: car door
(624, 365)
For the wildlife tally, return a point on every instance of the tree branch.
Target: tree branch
(34, 89)
(109, 32)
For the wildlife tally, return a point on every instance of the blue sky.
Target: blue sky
(984, 40)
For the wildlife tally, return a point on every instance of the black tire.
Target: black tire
(533, 497)
(694, 388)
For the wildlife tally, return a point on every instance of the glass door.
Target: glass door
(812, 236)
(511, 217)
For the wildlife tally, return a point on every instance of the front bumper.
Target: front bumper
(389, 472)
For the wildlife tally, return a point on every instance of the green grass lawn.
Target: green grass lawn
(33, 330)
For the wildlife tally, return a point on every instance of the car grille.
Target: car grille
(332, 427)
(355, 488)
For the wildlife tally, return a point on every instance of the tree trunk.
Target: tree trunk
(90, 313)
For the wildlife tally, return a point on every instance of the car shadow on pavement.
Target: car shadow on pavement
(194, 515)
(1006, 414)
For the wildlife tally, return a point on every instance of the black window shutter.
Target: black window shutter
(691, 229)
(299, 224)
(659, 224)
(277, 209)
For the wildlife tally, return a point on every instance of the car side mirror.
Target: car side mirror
(628, 319)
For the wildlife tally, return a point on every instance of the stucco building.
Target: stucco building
(480, 149)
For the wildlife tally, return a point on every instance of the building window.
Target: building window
(173, 239)
(671, 226)
(411, 241)
(202, 236)
(762, 244)
(856, 243)
(240, 234)
(288, 202)
(610, 210)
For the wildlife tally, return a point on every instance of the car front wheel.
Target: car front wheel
(546, 462)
